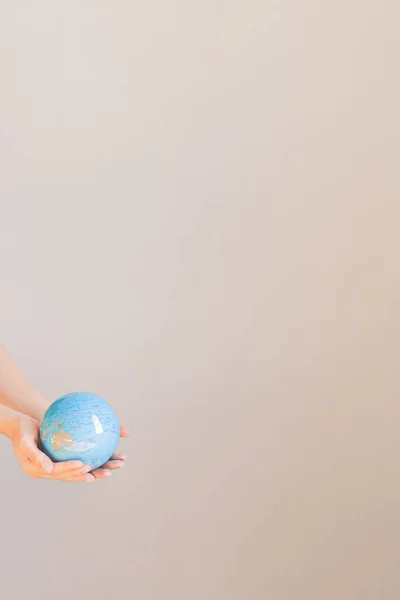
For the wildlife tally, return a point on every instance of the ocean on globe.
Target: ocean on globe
(80, 426)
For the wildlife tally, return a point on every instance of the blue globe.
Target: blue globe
(80, 426)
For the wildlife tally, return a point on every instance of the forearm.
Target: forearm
(16, 392)
(9, 420)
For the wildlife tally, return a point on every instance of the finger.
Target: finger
(124, 431)
(113, 464)
(65, 467)
(118, 456)
(101, 473)
(39, 458)
(44, 462)
(85, 478)
(73, 471)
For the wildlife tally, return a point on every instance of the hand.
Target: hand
(116, 461)
(38, 465)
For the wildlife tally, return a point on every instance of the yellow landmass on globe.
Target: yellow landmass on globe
(61, 439)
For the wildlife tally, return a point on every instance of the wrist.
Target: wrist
(10, 422)
(38, 411)
(33, 405)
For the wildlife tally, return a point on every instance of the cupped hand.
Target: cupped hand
(38, 465)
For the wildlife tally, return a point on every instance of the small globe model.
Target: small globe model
(80, 426)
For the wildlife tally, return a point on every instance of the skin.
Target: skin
(22, 408)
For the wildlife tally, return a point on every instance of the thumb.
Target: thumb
(39, 458)
(44, 462)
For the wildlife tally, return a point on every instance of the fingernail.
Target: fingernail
(47, 466)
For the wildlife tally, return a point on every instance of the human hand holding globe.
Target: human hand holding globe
(80, 427)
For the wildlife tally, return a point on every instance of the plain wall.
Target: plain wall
(199, 222)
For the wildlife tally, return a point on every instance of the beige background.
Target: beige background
(199, 221)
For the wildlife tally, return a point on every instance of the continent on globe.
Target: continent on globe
(80, 426)
(60, 439)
